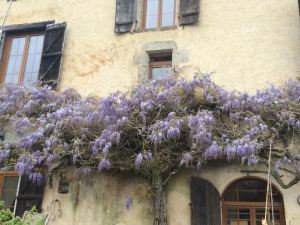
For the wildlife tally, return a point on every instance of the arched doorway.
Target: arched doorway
(243, 203)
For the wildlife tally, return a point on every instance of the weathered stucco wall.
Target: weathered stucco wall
(246, 43)
(100, 199)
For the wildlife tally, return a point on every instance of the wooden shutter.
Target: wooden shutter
(125, 15)
(189, 12)
(29, 195)
(52, 54)
(2, 134)
(2, 42)
(205, 203)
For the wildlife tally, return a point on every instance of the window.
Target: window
(137, 15)
(32, 53)
(243, 203)
(8, 188)
(22, 58)
(160, 65)
(159, 13)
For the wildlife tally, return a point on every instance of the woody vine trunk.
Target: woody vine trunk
(160, 201)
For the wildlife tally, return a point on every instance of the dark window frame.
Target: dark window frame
(159, 14)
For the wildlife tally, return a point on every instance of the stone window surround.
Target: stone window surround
(141, 59)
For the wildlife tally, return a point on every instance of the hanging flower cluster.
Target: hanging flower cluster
(155, 127)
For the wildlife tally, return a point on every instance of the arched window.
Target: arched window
(243, 203)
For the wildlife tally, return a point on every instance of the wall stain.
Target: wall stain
(89, 63)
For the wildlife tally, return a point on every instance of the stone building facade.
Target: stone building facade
(105, 46)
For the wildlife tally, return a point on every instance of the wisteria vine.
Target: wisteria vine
(157, 127)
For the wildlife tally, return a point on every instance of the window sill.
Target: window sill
(157, 29)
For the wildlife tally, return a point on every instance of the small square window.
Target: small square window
(159, 13)
(160, 65)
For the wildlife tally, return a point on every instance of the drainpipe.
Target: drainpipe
(17, 195)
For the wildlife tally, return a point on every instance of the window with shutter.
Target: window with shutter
(189, 12)
(205, 203)
(125, 15)
(32, 53)
(52, 54)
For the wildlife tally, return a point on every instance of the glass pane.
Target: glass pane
(33, 60)
(251, 184)
(40, 44)
(21, 45)
(15, 60)
(11, 64)
(152, 14)
(230, 196)
(238, 216)
(252, 196)
(168, 6)
(9, 190)
(36, 63)
(152, 7)
(31, 79)
(151, 21)
(167, 19)
(14, 46)
(161, 73)
(260, 215)
(29, 63)
(167, 13)
(32, 45)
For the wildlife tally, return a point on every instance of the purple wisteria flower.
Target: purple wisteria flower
(104, 164)
(128, 202)
(138, 161)
(21, 125)
(198, 166)
(147, 156)
(213, 152)
(36, 178)
(186, 159)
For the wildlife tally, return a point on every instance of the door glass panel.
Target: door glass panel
(15, 60)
